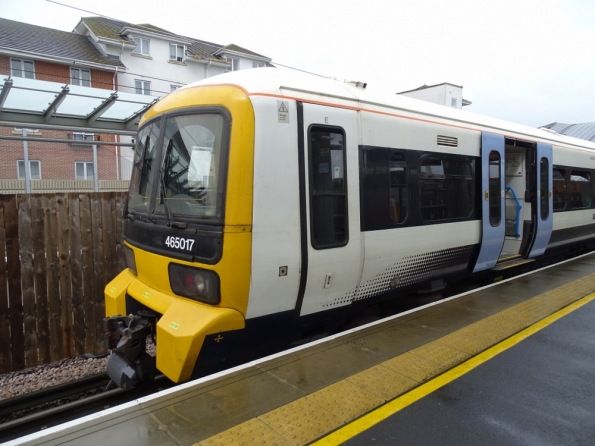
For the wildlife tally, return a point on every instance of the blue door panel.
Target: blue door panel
(492, 237)
(544, 226)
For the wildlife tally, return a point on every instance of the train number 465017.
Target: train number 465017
(184, 244)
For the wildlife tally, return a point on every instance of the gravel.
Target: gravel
(60, 372)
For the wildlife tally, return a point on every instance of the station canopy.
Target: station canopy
(35, 103)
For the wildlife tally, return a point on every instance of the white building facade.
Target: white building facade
(158, 62)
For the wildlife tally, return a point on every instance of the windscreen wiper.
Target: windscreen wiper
(169, 220)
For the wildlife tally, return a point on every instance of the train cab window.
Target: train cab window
(580, 190)
(189, 182)
(559, 177)
(141, 181)
(446, 188)
(328, 188)
(543, 188)
(398, 187)
(495, 188)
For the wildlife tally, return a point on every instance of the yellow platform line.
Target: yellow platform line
(376, 416)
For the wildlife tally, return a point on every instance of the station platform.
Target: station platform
(455, 369)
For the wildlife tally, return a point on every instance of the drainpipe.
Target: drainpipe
(206, 68)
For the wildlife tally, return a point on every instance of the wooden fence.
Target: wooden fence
(57, 253)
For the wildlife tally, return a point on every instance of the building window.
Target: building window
(78, 136)
(81, 77)
(22, 68)
(258, 64)
(142, 87)
(453, 102)
(83, 170)
(34, 168)
(176, 52)
(173, 88)
(142, 46)
(234, 63)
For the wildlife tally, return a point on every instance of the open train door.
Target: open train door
(492, 209)
(545, 184)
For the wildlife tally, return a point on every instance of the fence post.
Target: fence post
(26, 161)
(95, 170)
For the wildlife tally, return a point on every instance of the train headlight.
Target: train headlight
(130, 261)
(194, 283)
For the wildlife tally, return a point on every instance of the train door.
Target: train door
(333, 243)
(543, 200)
(528, 176)
(492, 186)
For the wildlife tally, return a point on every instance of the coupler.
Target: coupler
(129, 364)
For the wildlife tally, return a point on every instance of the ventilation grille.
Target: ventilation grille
(448, 141)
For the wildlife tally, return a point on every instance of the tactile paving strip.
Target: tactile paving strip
(311, 417)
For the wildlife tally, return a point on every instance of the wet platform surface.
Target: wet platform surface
(540, 392)
(304, 395)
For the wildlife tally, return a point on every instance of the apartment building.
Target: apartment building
(107, 54)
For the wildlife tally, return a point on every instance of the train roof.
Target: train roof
(298, 85)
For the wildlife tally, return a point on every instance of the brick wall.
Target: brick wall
(55, 72)
(57, 160)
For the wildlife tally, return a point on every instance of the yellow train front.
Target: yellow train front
(187, 237)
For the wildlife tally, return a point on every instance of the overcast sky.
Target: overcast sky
(527, 61)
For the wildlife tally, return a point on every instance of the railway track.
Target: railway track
(29, 413)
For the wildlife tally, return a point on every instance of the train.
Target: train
(268, 204)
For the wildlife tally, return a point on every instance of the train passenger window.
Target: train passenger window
(559, 177)
(579, 189)
(328, 188)
(398, 187)
(495, 188)
(446, 188)
(543, 188)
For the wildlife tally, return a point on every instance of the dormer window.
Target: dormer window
(142, 46)
(234, 63)
(176, 52)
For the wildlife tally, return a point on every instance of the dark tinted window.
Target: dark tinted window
(398, 178)
(495, 182)
(446, 188)
(328, 188)
(559, 177)
(579, 189)
(543, 188)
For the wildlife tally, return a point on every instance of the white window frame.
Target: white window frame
(80, 136)
(234, 63)
(22, 69)
(87, 167)
(180, 52)
(76, 77)
(19, 162)
(258, 64)
(142, 87)
(143, 46)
